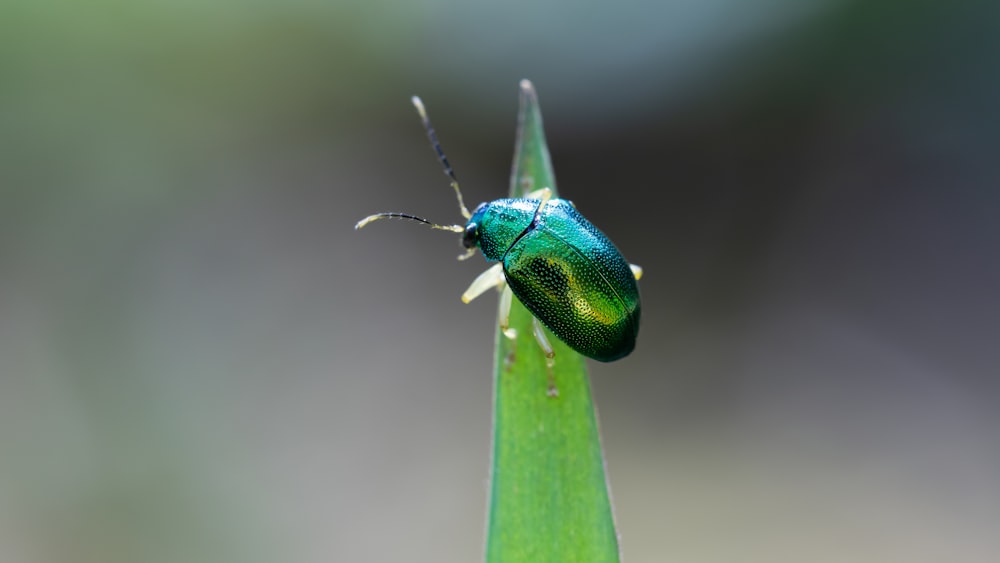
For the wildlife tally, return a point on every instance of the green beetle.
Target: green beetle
(559, 265)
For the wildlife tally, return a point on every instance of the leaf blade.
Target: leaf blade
(549, 498)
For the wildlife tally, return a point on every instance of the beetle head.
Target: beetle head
(470, 237)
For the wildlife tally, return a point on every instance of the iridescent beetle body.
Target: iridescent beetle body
(559, 265)
(564, 270)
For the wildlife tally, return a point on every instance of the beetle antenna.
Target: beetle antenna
(377, 216)
(437, 148)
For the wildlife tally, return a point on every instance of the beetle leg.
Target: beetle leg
(636, 270)
(545, 194)
(539, 194)
(550, 354)
(543, 341)
(493, 277)
(506, 299)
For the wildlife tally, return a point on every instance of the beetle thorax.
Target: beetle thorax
(499, 223)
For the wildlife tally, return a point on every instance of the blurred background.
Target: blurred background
(202, 361)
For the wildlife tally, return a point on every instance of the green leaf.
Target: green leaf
(549, 497)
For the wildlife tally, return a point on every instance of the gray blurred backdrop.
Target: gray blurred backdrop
(201, 360)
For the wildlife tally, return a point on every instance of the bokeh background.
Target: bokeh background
(201, 360)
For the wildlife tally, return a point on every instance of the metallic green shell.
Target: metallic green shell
(567, 273)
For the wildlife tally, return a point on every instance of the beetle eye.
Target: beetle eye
(469, 238)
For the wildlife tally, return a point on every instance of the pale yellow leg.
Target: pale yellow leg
(543, 341)
(506, 299)
(545, 194)
(636, 270)
(550, 355)
(540, 194)
(492, 277)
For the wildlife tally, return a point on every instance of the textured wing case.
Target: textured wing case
(570, 276)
